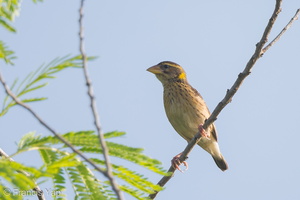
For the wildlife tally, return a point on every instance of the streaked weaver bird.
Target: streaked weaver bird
(186, 111)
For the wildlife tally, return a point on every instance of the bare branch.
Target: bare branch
(230, 93)
(294, 18)
(39, 192)
(91, 95)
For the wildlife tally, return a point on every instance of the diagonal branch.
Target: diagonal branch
(259, 51)
(48, 127)
(91, 95)
(39, 192)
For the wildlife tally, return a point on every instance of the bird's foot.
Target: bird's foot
(176, 163)
(202, 132)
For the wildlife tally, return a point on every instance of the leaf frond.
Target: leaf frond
(59, 162)
(84, 183)
(38, 79)
(6, 54)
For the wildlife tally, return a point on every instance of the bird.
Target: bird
(186, 111)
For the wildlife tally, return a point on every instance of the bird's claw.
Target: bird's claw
(202, 132)
(176, 163)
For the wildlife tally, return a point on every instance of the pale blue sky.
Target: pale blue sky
(212, 40)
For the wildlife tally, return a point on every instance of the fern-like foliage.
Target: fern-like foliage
(6, 54)
(62, 166)
(9, 9)
(85, 185)
(19, 179)
(37, 80)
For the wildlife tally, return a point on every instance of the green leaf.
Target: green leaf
(113, 134)
(31, 140)
(133, 178)
(48, 156)
(36, 1)
(9, 9)
(59, 185)
(66, 161)
(32, 89)
(6, 193)
(91, 189)
(11, 171)
(33, 99)
(133, 192)
(6, 54)
(37, 79)
(7, 26)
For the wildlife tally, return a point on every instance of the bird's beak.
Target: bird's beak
(155, 69)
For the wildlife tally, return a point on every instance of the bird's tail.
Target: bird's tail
(221, 162)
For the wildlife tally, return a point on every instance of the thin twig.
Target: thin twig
(39, 192)
(230, 93)
(91, 95)
(294, 18)
(36, 116)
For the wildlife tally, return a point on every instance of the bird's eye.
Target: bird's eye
(164, 67)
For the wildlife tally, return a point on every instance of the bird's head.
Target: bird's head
(167, 71)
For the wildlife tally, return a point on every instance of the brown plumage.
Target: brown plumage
(186, 109)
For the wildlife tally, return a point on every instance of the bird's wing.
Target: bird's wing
(214, 132)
